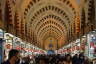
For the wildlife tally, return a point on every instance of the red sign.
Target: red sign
(18, 48)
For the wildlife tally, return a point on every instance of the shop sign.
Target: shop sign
(8, 36)
(16, 39)
(18, 48)
(22, 48)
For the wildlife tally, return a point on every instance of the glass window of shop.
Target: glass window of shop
(91, 39)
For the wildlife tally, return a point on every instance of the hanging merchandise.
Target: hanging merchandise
(77, 46)
(83, 44)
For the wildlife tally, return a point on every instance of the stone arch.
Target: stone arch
(8, 16)
(91, 14)
(1, 22)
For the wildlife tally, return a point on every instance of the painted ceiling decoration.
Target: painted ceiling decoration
(44, 19)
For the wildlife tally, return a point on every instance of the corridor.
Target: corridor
(48, 31)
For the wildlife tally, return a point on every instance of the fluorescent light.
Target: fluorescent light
(1, 30)
(93, 31)
(92, 35)
(84, 36)
(79, 44)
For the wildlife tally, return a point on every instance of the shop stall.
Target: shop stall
(77, 46)
(91, 39)
(17, 43)
(8, 44)
(23, 50)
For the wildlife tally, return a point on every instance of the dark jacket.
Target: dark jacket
(6, 62)
(81, 59)
(75, 60)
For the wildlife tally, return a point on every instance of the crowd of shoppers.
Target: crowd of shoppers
(63, 59)
(14, 58)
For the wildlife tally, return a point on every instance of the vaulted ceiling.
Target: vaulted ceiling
(51, 18)
(42, 21)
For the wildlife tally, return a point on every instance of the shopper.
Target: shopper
(13, 57)
(68, 59)
(81, 58)
(75, 59)
(86, 60)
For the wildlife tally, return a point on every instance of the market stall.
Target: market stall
(8, 44)
(91, 39)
